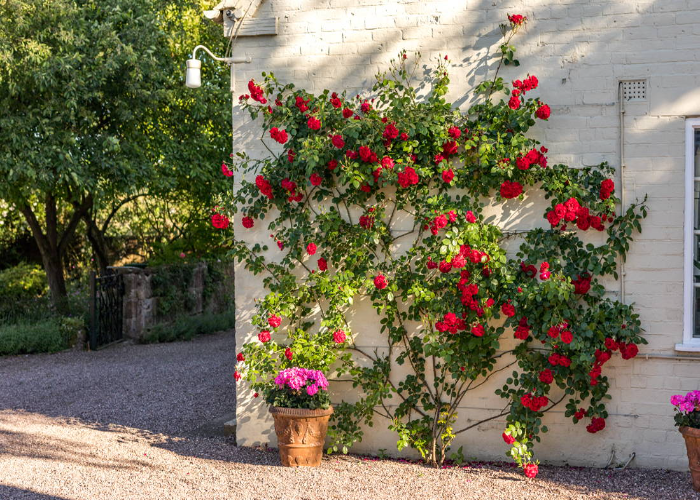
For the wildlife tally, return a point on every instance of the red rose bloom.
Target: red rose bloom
(606, 189)
(445, 266)
(531, 470)
(580, 413)
(322, 264)
(347, 113)
(582, 284)
(279, 135)
(543, 112)
(514, 102)
(315, 179)
(339, 336)
(471, 218)
(380, 282)
(448, 175)
(611, 344)
(311, 248)
(240, 357)
(288, 354)
(628, 351)
(508, 309)
(450, 148)
(226, 171)
(454, 132)
(337, 141)
(264, 336)
(546, 376)
(314, 123)
(567, 337)
(508, 438)
(553, 218)
(390, 132)
(219, 221)
(247, 222)
(478, 330)
(274, 321)
(408, 177)
(332, 164)
(404, 136)
(236, 375)
(597, 424)
(516, 20)
(511, 189)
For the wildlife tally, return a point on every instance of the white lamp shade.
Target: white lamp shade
(193, 77)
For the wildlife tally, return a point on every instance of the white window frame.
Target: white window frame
(690, 342)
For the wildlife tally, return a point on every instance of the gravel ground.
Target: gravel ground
(134, 422)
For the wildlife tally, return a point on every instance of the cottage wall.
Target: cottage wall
(579, 50)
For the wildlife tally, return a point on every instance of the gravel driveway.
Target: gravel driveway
(136, 422)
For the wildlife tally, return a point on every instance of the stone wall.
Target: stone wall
(141, 306)
(580, 50)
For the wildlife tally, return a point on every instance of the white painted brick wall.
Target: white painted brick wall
(579, 50)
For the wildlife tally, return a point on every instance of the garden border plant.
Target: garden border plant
(450, 302)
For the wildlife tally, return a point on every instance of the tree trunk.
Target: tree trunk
(52, 246)
(98, 243)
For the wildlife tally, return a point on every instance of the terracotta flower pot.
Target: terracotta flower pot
(300, 435)
(692, 444)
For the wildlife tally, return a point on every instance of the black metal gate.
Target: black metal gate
(106, 309)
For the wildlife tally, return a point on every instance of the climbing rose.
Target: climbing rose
(606, 189)
(332, 164)
(471, 218)
(315, 179)
(404, 136)
(546, 376)
(580, 413)
(240, 357)
(264, 336)
(322, 264)
(567, 337)
(511, 189)
(628, 351)
(237, 375)
(311, 248)
(279, 135)
(508, 438)
(247, 222)
(445, 266)
(531, 470)
(449, 148)
(274, 321)
(597, 424)
(508, 309)
(544, 275)
(337, 141)
(219, 221)
(514, 102)
(581, 284)
(314, 123)
(288, 354)
(264, 186)
(408, 177)
(454, 132)
(380, 282)
(543, 112)
(347, 113)
(478, 330)
(365, 107)
(391, 132)
(516, 19)
(226, 171)
(339, 336)
(448, 175)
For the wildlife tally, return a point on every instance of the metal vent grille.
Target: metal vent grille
(634, 90)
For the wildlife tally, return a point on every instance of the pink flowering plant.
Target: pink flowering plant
(381, 199)
(687, 409)
(299, 388)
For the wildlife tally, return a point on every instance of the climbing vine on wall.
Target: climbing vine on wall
(453, 308)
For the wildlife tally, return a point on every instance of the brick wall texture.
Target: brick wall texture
(579, 50)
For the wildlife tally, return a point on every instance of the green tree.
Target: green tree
(95, 112)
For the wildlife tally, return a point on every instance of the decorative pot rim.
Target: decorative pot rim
(300, 412)
(690, 431)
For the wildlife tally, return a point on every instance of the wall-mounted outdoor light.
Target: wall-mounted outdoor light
(193, 77)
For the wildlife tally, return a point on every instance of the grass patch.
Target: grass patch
(49, 335)
(187, 327)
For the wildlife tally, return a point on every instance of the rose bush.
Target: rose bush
(453, 307)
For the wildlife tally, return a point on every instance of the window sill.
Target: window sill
(692, 346)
